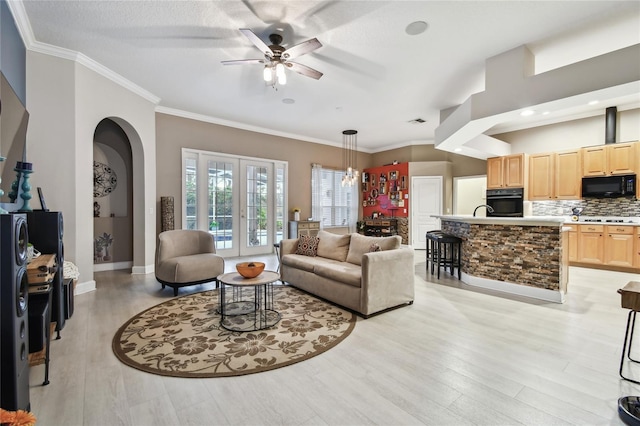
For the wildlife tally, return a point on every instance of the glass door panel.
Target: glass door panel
(257, 210)
(280, 203)
(191, 195)
(220, 203)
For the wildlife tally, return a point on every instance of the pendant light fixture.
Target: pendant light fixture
(350, 157)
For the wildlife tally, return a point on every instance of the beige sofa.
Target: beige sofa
(348, 271)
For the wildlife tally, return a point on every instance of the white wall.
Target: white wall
(573, 134)
(66, 101)
(469, 193)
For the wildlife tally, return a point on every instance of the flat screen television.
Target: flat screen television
(14, 118)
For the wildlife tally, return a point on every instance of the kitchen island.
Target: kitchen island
(523, 256)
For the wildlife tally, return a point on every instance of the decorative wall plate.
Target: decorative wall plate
(104, 180)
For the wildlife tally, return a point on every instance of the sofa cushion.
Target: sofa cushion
(298, 261)
(360, 245)
(333, 246)
(307, 245)
(343, 272)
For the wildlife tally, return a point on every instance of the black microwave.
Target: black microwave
(609, 186)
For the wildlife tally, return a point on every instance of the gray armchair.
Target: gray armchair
(187, 257)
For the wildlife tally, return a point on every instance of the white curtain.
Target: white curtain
(316, 192)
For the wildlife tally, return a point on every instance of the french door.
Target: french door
(240, 201)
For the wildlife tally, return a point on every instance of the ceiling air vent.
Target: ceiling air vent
(417, 121)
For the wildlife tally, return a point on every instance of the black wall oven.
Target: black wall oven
(507, 202)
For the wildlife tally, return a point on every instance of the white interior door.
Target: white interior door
(426, 200)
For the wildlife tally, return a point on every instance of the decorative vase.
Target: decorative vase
(296, 216)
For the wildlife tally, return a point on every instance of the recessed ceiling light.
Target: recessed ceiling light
(288, 101)
(458, 149)
(417, 27)
(527, 112)
(546, 113)
(594, 102)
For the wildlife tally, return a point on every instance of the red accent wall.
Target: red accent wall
(385, 190)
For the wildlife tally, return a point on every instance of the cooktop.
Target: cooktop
(611, 220)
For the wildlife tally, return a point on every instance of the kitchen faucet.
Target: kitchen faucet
(489, 209)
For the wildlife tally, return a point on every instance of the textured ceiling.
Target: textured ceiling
(377, 78)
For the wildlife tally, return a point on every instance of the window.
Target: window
(332, 203)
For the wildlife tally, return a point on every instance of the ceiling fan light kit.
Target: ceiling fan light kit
(277, 58)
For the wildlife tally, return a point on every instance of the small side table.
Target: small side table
(249, 306)
(630, 300)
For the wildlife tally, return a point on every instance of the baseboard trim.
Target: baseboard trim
(555, 296)
(148, 269)
(85, 287)
(113, 266)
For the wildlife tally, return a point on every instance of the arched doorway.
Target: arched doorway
(118, 128)
(112, 198)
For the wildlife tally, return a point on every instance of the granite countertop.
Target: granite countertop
(532, 220)
(523, 221)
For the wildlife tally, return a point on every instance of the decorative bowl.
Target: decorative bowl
(250, 269)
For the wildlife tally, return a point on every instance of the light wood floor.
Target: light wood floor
(456, 356)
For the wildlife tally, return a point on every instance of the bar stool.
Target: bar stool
(444, 250)
(431, 239)
(630, 300)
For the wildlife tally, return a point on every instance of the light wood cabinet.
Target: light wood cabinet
(591, 244)
(555, 176)
(572, 243)
(618, 246)
(306, 227)
(568, 175)
(541, 176)
(507, 172)
(636, 248)
(612, 159)
(572, 236)
(610, 245)
(494, 173)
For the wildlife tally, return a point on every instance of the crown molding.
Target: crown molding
(31, 44)
(243, 126)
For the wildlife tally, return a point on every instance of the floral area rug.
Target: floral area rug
(183, 337)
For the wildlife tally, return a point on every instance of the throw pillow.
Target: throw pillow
(333, 246)
(360, 244)
(307, 245)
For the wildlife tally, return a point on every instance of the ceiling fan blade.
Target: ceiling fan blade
(243, 61)
(257, 42)
(301, 48)
(304, 70)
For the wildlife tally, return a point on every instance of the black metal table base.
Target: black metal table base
(628, 337)
(242, 314)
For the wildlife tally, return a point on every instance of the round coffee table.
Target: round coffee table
(248, 306)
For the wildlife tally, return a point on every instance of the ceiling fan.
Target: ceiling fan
(277, 58)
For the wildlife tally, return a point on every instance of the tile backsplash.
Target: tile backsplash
(623, 207)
